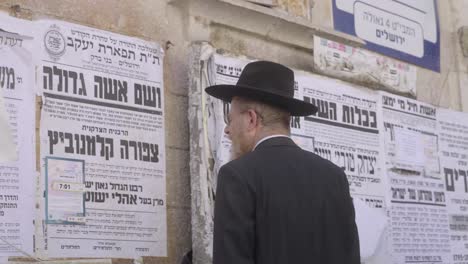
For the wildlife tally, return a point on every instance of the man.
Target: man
(276, 203)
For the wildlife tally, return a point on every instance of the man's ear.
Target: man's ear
(253, 119)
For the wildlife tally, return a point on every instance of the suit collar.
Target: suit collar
(276, 141)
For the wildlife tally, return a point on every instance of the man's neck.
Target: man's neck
(266, 135)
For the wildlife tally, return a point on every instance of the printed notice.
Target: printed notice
(453, 133)
(419, 231)
(17, 176)
(102, 144)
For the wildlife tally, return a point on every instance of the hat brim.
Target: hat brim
(294, 106)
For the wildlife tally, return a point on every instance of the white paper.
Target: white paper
(371, 224)
(419, 227)
(336, 59)
(453, 140)
(102, 144)
(409, 147)
(7, 146)
(17, 177)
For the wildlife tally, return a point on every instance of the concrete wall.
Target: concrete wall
(283, 34)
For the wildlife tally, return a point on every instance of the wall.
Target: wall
(240, 28)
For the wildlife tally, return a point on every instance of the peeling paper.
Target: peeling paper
(8, 151)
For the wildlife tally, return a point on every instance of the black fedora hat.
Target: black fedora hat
(268, 82)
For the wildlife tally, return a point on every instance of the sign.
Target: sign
(406, 30)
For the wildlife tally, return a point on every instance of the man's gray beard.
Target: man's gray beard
(234, 154)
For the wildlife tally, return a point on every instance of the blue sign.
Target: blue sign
(407, 30)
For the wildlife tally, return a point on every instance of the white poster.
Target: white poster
(419, 230)
(17, 176)
(453, 142)
(102, 144)
(337, 59)
(345, 131)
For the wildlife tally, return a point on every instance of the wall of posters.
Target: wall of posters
(405, 160)
(344, 131)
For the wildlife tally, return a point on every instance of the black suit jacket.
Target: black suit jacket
(281, 204)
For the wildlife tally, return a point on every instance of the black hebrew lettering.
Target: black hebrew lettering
(110, 89)
(7, 78)
(145, 200)
(63, 77)
(9, 41)
(81, 144)
(439, 197)
(147, 95)
(8, 205)
(136, 188)
(115, 51)
(398, 193)
(326, 109)
(53, 140)
(454, 175)
(159, 202)
(366, 164)
(425, 196)
(427, 110)
(383, 34)
(141, 151)
(412, 194)
(118, 132)
(402, 104)
(344, 160)
(324, 153)
(412, 107)
(77, 43)
(364, 117)
(124, 198)
(295, 122)
(449, 183)
(101, 186)
(93, 129)
(107, 146)
(390, 101)
(7, 197)
(89, 184)
(96, 197)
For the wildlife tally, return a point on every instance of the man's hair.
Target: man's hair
(271, 117)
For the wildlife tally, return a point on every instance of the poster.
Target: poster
(102, 144)
(419, 231)
(17, 176)
(345, 130)
(405, 30)
(453, 141)
(339, 60)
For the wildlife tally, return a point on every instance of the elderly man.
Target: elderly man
(277, 203)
